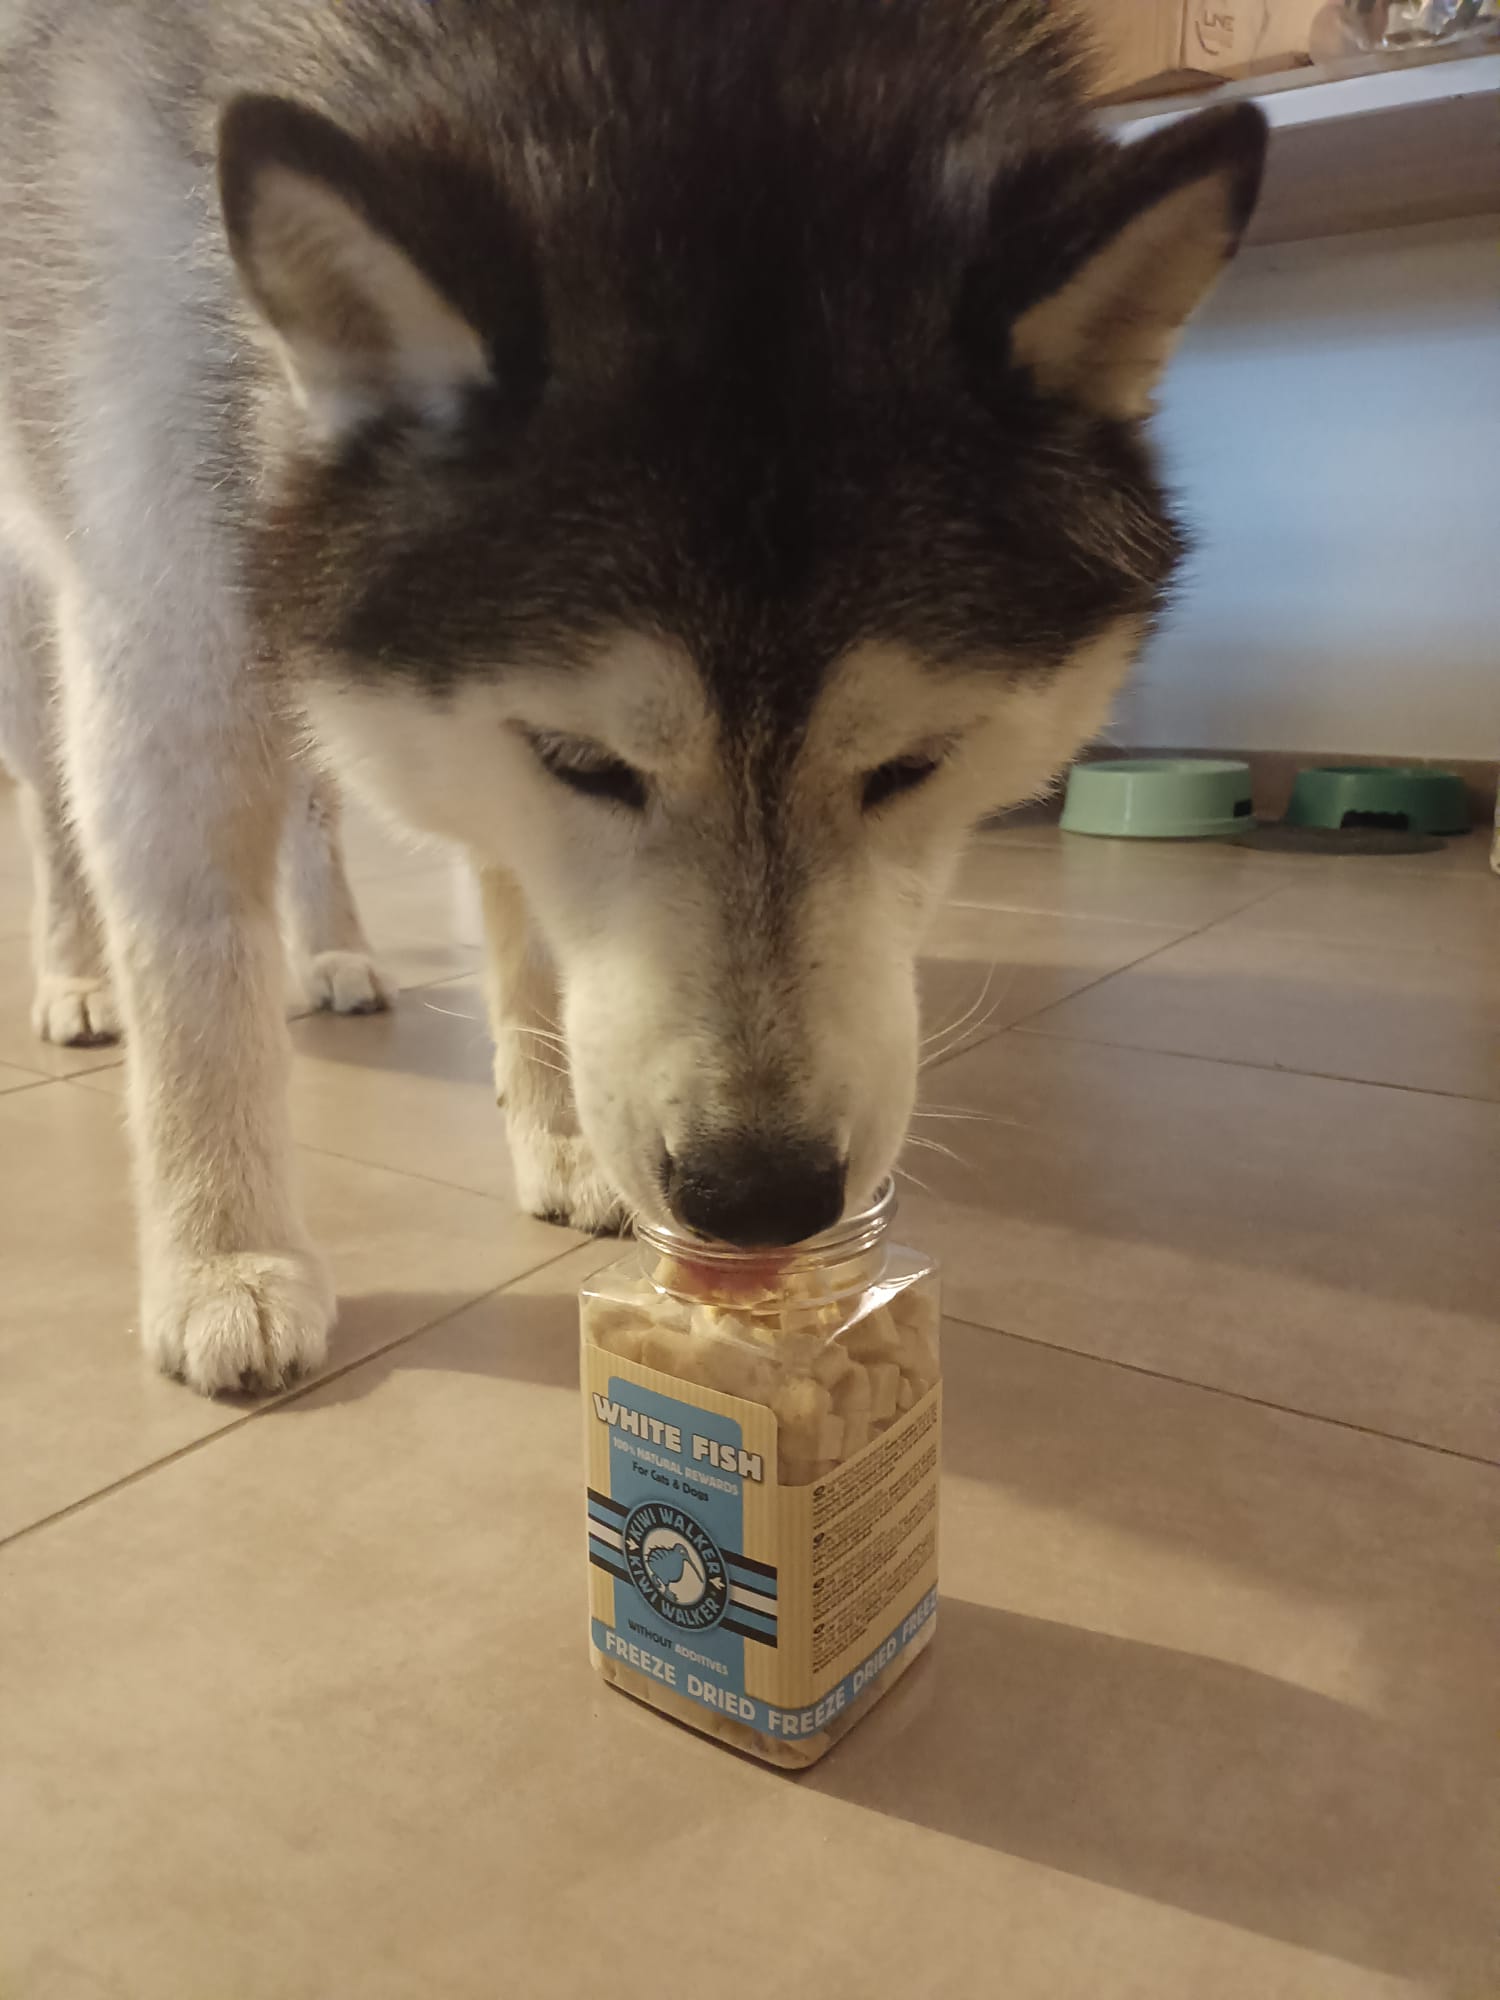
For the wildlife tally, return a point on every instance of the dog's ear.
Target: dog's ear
(362, 328)
(1140, 254)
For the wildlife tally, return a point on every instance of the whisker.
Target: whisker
(902, 1174)
(546, 1035)
(951, 1114)
(968, 1013)
(452, 1012)
(961, 1035)
(475, 1020)
(933, 1146)
(967, 1024)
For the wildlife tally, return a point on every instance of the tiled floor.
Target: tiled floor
(294, 1703)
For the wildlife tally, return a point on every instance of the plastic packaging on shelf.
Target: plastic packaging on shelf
(1360, 27)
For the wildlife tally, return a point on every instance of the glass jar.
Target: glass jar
(763, 1439)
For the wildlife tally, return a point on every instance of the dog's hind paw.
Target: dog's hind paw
(249, 1321)
(347, 982)
(558, 1180)
(74, 1013)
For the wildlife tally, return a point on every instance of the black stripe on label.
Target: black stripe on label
(744, 1632)
(747, 1562)
(612, 1506)
(608, 1568)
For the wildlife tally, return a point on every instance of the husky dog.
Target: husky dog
(688, 453)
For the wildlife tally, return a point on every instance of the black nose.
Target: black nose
(755, 1192)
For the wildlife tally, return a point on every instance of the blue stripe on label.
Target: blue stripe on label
(758, 1580)
(744, 1574)
(786, 1723)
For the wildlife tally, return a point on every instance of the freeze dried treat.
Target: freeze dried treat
(763, 1483)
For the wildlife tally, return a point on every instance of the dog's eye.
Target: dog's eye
(901, 774)
(587, 769)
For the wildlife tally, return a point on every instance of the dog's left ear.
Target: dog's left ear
(314, 223)
(1138, 257)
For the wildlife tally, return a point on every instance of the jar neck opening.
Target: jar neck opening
(851, 1237)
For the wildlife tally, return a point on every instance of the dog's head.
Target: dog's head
(710, 507)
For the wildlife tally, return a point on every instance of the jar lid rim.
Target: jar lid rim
(861, 1228)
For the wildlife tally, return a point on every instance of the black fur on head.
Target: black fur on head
(746, 281)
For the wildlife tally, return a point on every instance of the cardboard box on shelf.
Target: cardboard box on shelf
(1169, 43)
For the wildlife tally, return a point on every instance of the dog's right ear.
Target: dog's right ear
(1096, 265)
(362, 329)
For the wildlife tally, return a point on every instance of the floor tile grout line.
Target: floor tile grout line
(1032, 1027)
(35, 1081)
(121, 1061)
(1183, 936)
(1030, 1023)
(135, 1476)
(1137, 921)
(278, 1402)
(329, 1153)
(1131, 965)
(1061, 916)
(305, 1389)
(309, 1388)
(966, 1046)
(1231, 1395)
(427, 1180)
(1025, 1023)
(1368, 948)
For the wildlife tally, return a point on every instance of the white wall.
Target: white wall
(1333, 423)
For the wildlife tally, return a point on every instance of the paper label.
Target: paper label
(775, 1605)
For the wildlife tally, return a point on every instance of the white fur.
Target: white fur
(639, 916)
(555, 1168)
(179, 769)
(72, 1002)
(331, 954)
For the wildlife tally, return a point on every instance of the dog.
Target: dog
(689, 454)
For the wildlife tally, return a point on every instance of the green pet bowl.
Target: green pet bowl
(1159, 798)
(1396, 797)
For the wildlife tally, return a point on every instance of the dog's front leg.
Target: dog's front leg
(72, 1002)
(179, 780)
(333, 959)
(557, 1176)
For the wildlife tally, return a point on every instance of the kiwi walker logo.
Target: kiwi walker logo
(675, 1566)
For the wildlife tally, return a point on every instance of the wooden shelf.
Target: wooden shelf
(1370, 144)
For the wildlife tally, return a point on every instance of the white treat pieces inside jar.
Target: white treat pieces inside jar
(838, 1338)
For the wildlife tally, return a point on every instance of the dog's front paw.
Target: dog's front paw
(558, 1179)
(347, 982)
(250, 1320)
(74, 1013)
